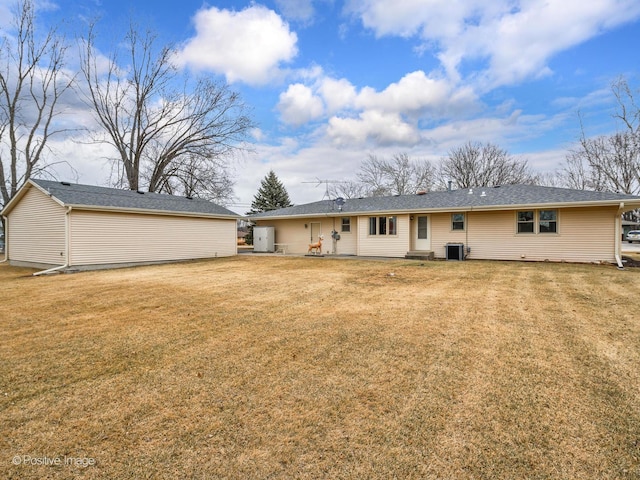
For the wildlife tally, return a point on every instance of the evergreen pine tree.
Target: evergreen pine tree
(271, 195)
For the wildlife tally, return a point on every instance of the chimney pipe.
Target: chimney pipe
(450, 182)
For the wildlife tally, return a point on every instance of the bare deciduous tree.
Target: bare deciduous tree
(574, 174)
(398, 176)
(483, 165)
(348, 189)
(32, 81)
(166, 129)
(609, 162)
(192, 177)
(628, 111)
(605, 163)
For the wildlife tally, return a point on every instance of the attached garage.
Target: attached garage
(59, 225)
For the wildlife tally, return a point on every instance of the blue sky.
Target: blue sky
(330, 82)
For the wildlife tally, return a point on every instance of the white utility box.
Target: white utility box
(264, 239)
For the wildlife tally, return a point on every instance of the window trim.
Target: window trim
(531, 222)
(390, 223)
(554, 221)
(536, 221)
(347, 224)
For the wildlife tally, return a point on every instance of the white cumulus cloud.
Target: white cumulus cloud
(513, 39)
(337, 94)
(417, 93)
(248, 46)
(373, 126)
(299, 105)
(297, 10)
(389, 116)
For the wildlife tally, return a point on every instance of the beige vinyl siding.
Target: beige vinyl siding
(296, 237)
(292, 233)
(36, 231)
(99, 238)
(584, 235)
(348, 243)
(384, 245)
(441, 233)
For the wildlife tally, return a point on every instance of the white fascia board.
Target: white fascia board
(22, 192)
(525, 206)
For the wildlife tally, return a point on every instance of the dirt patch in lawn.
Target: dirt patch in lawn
(276, 367)
(631, 260)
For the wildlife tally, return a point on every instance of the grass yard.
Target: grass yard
(273, 367)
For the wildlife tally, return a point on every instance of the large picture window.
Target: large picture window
(537, 221)
(383, 225)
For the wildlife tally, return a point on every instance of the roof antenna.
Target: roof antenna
(319, 182)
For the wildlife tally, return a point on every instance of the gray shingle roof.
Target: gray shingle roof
(507, 196)
(73, 194)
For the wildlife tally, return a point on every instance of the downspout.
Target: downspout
(6, 239)
(66, 248)
(619, 236)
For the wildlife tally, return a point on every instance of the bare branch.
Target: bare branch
(165, 128)
(32, 81)
(398, 176)
(609, 162)
(481, 165)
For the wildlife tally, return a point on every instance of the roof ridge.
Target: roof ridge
(96, 196)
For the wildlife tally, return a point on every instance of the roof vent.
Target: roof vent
(140, 192)
(421, 192)
(66, 184)
(189, 197)
(483, 194)
(496, 186)
(471, 191)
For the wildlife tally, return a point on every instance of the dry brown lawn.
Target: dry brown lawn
(274, 367)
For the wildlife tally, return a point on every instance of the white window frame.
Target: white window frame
(464, 222)
(537, 220)
(387, 222)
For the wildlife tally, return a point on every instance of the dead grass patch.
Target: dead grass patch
(272, 367)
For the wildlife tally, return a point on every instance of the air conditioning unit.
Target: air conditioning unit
(454, 251)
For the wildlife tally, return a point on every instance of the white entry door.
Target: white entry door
(422, 240)
(316, 230)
